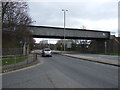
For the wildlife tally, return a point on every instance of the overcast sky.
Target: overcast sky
(93, 14)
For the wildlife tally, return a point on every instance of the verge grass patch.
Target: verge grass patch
(13, 60)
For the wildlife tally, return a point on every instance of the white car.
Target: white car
(46, 52)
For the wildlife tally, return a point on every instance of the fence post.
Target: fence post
(33, 57)
(15, 62)
(27, 59)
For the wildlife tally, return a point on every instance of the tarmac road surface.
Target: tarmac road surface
(64, 72)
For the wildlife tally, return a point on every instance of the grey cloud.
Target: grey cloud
(51, 14)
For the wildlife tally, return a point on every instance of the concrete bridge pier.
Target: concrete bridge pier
(98, 46)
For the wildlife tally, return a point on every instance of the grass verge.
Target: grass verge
(13, 60)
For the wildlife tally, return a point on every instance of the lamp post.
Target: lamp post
(64, 10)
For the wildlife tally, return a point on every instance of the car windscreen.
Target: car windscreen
(46, 49)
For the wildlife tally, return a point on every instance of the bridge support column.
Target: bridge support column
(98, 46)
(105, 47)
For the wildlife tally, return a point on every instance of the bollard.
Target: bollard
(32, 57)
(36, 56)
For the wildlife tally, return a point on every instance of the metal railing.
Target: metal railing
(15, 63)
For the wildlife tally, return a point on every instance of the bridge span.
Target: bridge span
(70, 33)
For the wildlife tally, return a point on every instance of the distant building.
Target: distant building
(44, 42)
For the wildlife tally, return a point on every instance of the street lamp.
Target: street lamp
(64, 10)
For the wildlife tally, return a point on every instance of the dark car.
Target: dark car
(46, 52)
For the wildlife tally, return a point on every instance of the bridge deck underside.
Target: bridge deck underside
(58, 37)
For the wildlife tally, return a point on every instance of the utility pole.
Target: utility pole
(64, 10)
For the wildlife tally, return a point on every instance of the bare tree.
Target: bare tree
(15, 18)
(15, 13)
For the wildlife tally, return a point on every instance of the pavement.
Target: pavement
(105, 59)
(64, 72)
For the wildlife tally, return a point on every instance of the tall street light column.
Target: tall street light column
(64, 24)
